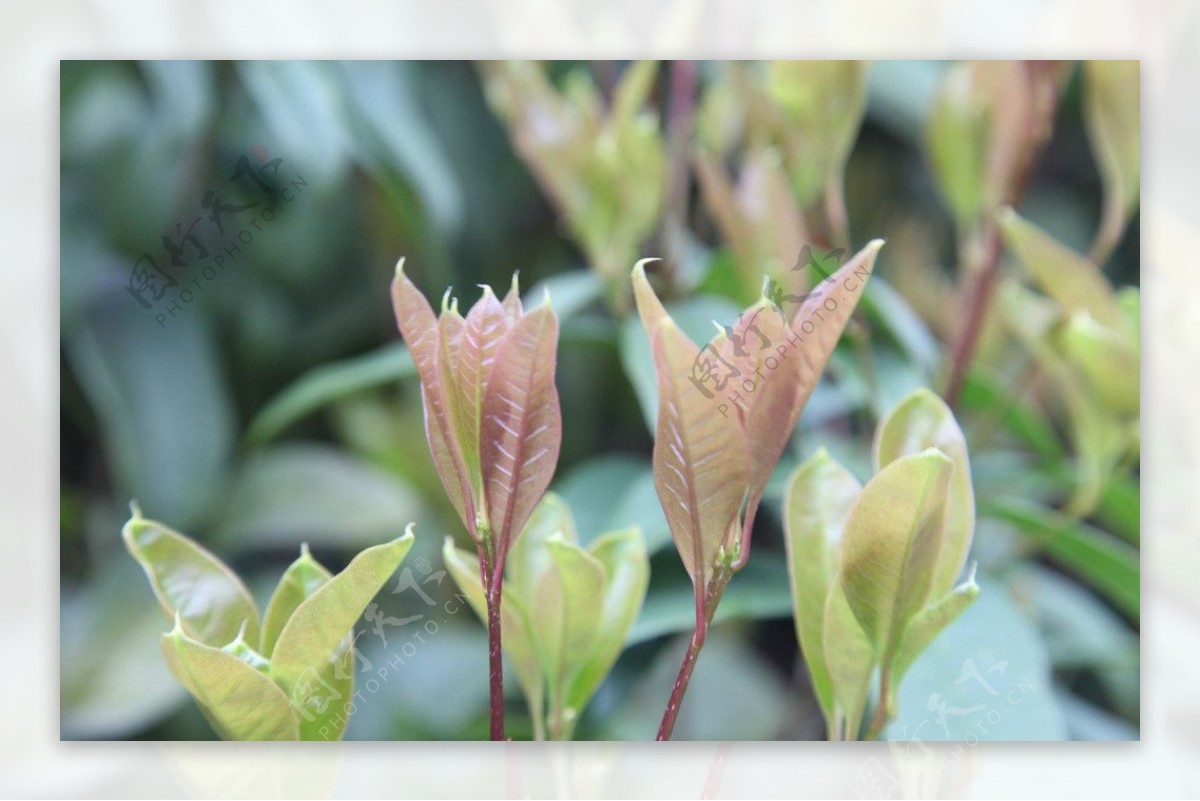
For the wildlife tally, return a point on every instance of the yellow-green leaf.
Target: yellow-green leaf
(210, 600)
(819, 497)
(929, 622)
(241, 702)
(891, 544)
(302, 578)
(923, 420)
(850, 658)
(1112, 118)
(314, 643)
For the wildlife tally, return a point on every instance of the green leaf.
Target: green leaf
(850, 661)
(1070, 279)
(819, 497)
(210, 600)
(1109, 565)
(987, 676)
(928, 623)
(329, 383)
(302, 578)
(622, 554)
(316, 637)
(242, 703)
(1108, 362)
(565, 617)
(759, 591)
(891, 546)
(530, 557)
(315, 493)
(920, 421)
(958, 142)
(1112, 119)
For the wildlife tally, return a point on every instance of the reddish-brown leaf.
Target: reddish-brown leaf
(522, 426)
(420, 329)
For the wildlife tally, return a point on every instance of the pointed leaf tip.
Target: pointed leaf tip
(400, 268)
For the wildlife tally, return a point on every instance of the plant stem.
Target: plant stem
(977, 307)
(495, 666)
(881, 710)
(835, 211)
(716, 588)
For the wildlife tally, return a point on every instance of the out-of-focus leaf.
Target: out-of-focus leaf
(242, 703)
(1108, 362)
(891, 544)
(1090, 723)
(1120, 508)
(110, 687)
(1106, 563)
(327, 384)
(593, 488)
(317, 636)
(162, 403)
(817, 503)
(986, 676)
(302, 578)
(209, 599)
(957, 135)
(1074, 282)
(920, 421)
(569, 292)
(733, 694)
(314, 493)
(986, 393)
(759, 591)
(1112, 118)
(384, 106)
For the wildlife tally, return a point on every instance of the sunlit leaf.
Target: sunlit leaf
(210, 600)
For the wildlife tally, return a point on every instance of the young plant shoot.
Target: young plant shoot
(725, 414)
(493, 422)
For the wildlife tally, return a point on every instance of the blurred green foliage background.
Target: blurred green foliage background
(277, 405)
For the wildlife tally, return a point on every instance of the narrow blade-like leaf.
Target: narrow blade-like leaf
(928, 624)
(241, 702)
(313, 644)
(522, 426)
(210, 600)
(920, 421)
(420, 330)
(891, 543)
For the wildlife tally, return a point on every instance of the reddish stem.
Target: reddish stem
(704, 616)
(495, 667)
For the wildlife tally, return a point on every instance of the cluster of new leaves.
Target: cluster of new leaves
(726, 412)
(566, 609)
(1084, 335)
(873, 567)
(491, 407)
(288, 675)
(604, 168)
(795, 122)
